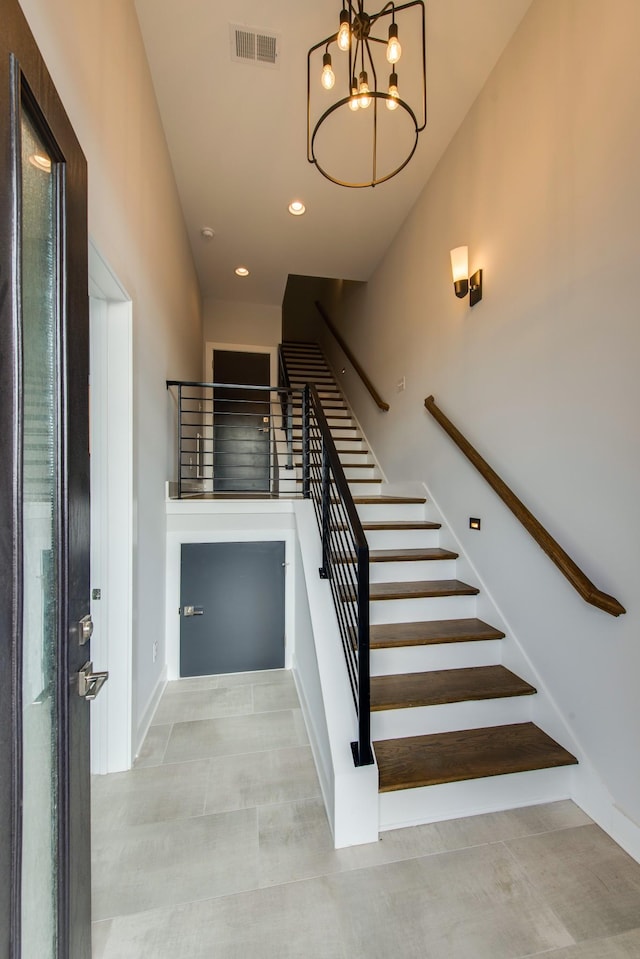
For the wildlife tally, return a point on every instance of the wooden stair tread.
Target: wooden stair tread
(298, 449)
(388, 499)
(400, 525)
(409, 555)
(421, 589)
(441, 686)
(388, 635)
(400, 555)
(466, 754)
(332, 426)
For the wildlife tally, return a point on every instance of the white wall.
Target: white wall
(252, 324)
(95, 54)
(541, 182)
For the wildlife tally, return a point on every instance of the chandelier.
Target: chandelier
(352, 139)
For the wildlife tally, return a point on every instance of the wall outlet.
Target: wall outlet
(155, 650)
(401, 385)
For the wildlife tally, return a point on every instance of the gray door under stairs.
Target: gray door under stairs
(232, 604)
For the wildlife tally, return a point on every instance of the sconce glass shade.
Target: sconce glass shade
(460, 270)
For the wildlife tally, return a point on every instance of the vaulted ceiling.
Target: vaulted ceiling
(236, 133)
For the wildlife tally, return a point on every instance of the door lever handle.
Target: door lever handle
(90, 683)
(193, 610)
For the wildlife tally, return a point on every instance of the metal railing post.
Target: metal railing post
(306, 458)
(364, 752)
(325, 571)
(289, 431)
(180, 442)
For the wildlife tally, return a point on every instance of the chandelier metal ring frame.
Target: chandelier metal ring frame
(360, 25)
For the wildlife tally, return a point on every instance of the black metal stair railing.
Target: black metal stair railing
(345, 557)
(286, 404)
(232, 437)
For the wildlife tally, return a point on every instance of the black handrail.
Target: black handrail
(345, 557)
(377, 399)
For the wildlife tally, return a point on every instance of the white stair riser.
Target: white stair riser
(412, 572)
(421, 610)
(365, 489)
(334, 420)
(419, 659)
(409, 807)
(386, 512)
(354, 445)
(402, 539)
(337, 434)
(359, 455)
(425, 720)
(357, 473)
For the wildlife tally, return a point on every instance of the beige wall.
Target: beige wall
(542, 183)
(95, 54)
(250, 324)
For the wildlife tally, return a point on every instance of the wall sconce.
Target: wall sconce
(462, 282)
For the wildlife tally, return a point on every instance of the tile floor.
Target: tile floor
(216, 846)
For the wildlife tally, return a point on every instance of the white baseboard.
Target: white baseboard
(149, 712)
(593, 797)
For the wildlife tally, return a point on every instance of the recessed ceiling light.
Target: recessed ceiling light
(41, 162)
(242, 271)
(297, 208)
(207, 233)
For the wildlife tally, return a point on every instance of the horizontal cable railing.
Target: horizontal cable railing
(578, 579)
(380, 403)
(345, 557)
(232, 437)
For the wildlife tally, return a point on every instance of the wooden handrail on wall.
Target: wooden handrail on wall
(589, 592)
(380, 403)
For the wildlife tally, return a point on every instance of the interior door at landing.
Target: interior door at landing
(45, 877)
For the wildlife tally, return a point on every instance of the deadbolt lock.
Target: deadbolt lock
(85, 630)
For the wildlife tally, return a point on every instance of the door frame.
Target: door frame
(212, 345)
(24, 78)
(111, 425)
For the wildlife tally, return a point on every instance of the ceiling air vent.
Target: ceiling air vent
(250, 45)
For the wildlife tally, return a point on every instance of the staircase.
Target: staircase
(451, 726)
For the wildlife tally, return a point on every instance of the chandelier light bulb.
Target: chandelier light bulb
(363, 87)
(394, 50)
(353, 102)
(328, 76)
(393, 92)
(344, 33)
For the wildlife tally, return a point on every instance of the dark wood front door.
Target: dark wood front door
(45, 880)
(241, 422)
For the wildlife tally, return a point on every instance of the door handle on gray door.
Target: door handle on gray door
(90, 683)
(193, 611)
